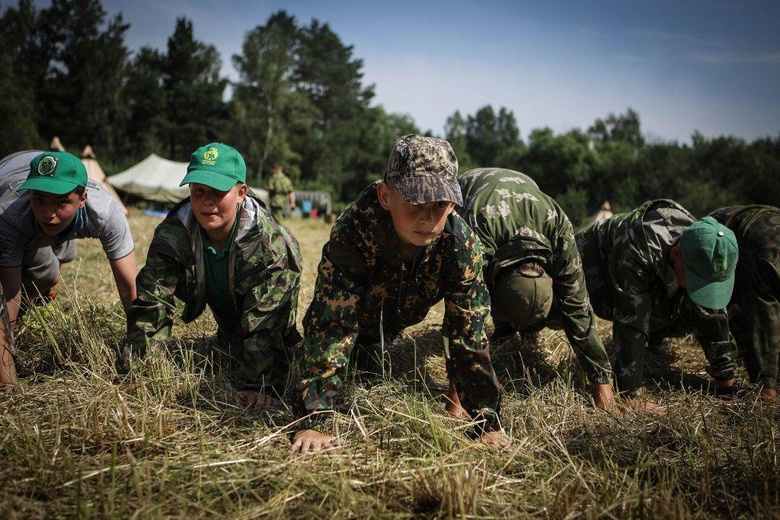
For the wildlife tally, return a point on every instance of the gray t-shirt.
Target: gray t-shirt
(19, 232)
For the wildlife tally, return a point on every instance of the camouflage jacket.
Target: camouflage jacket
(631, 282)
(517, 222)
(264, 275)
(364, 286)
(279, 187)
(755, 303)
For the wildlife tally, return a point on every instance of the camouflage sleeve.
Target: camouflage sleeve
(762, 308)
(571, 297)
(632, 283)
(466, 347)
(330, 329)
(268, 292)
(711, 328)
(150, 316)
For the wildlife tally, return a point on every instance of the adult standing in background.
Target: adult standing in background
(280, 192)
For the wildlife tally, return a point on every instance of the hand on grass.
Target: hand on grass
(649, 407)
(495, 439)
(255, 400)
(312, 440)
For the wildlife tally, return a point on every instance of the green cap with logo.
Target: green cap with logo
(55, 172)
(216, 165)
(709, 250)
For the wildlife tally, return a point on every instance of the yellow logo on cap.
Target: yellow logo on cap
(210, 156)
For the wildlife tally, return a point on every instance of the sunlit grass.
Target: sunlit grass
(78, 440)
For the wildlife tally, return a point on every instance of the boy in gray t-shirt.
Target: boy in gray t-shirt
(47, 201)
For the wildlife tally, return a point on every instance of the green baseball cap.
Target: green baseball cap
(55, 172)
(709, 250)
(216, 165)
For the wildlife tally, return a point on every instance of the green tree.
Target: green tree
(561, 165)
(146, 102)
(266, 106)
(18, 131)
(490, 136)
(195, 111)
(73, 61)
(332, 80)
(455, 133)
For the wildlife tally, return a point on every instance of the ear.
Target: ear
(242, 191)
(675, 253)
(83, 199)
(383, 194)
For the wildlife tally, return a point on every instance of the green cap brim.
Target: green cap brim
(706, 293)
(209, 178)
(48, 185)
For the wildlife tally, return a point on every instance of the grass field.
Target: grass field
(78, 441)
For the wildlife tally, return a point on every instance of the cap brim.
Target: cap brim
(706, 293)
(424, 190)
(209, 178)
(48, 185)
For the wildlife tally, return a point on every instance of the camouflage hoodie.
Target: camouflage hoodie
(264, 276)
(754, 310)
(364, 288)
(631, 282)
(518, 222)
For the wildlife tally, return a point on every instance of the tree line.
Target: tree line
(300, 100)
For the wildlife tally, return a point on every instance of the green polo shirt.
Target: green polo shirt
(217, 263)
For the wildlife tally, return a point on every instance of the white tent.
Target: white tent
(154, 178)
(96, 173)
(158, 179)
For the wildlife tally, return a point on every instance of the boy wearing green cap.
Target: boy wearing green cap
(396, 251)
(221, 248)
(47, 202)
(657, 269)
(754, 309)
(534, 271)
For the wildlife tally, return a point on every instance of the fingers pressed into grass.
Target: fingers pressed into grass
(254, 400)
(312, 440)
(497, 439)
(649, 407)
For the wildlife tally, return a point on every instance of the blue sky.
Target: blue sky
(684, 65)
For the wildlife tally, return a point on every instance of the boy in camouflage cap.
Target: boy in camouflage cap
(534, 270)
(754, 309)
(397, 250)
(46, 203)
(657, 270)
(221, 248)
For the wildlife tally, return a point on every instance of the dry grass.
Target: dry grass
(77, 441)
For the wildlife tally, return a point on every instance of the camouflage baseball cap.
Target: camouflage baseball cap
(216, 165)
(709, 250)
(55, 172)
(424, 170)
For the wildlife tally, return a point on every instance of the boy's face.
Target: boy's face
(54, 213)
(415, 225)
(216, 210)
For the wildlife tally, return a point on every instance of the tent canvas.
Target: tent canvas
(158, 179)
(96, 173)
(154, 178)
